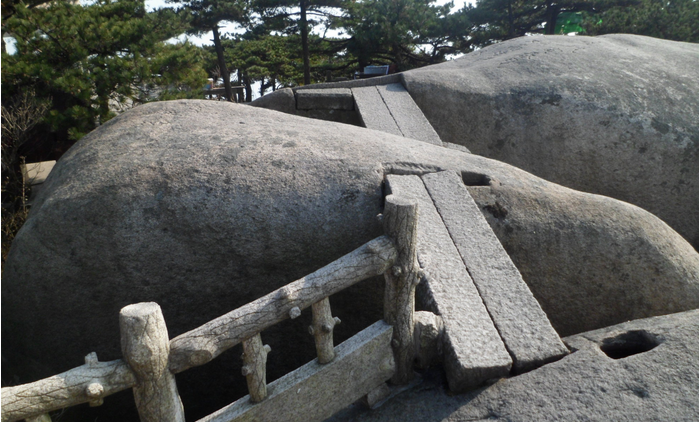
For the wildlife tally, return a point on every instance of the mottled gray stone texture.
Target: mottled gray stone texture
(324, 99)
(203, 206)
(473, 349)
(614, 115)
(282, 100)
(410, 120)
(661, 384)
(390, 109)
(523, 326)
(373, 111)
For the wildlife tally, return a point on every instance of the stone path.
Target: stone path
(473, 350)
(492, 322)
(390, 108)
(522, 324)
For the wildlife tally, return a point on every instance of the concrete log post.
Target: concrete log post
(400, 224)
(255, 367)
(146, 348)
(322, 330)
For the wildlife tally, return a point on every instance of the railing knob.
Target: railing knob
(94, 392)
(246, 371)
(337, 320)
(268, 348)
(91, 359)
(295, 312)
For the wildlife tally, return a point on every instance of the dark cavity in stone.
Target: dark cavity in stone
(629, 343)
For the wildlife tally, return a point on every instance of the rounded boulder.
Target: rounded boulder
(203, 206)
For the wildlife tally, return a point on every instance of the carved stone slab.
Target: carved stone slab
(523, 325)
(408, 116)
(315, 392)
(325, 99)
(473, 350)
(373, 111)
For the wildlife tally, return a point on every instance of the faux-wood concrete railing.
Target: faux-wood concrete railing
(151, 360)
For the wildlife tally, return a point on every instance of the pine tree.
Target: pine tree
(676, 20)
(91, 61)
(406, 33)
(292, 17)
(207, 15)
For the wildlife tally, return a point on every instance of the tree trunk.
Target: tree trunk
(248, 87)
(511, 20)
(222, 64)
(552, 12)
(304, 45)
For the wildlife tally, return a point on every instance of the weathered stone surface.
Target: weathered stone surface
(473, 349)
(523, 326)
(456, 147)
(282, 100)
(410, 120)
(324, 99)
(547, 229)
(390, 109)
(203, 206)
(588, 385)
(614, 115)
(373, 111)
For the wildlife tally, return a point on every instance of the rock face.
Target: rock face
(203, 206)
(616, 115)
(644, 370)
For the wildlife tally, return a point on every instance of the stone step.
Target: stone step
(393, 111)
(324, 99)
(473, 349)
(373, 111)
(522, 324)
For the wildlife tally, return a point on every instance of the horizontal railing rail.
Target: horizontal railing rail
(151, 360)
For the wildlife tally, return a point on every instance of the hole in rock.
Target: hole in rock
(475, 179)
(629, 343)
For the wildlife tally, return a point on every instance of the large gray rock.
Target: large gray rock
(600, 381)
(203, 206)
(616, 115)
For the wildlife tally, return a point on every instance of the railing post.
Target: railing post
(400, 224)
(322, 330)
(255, 367)
(146, 348)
